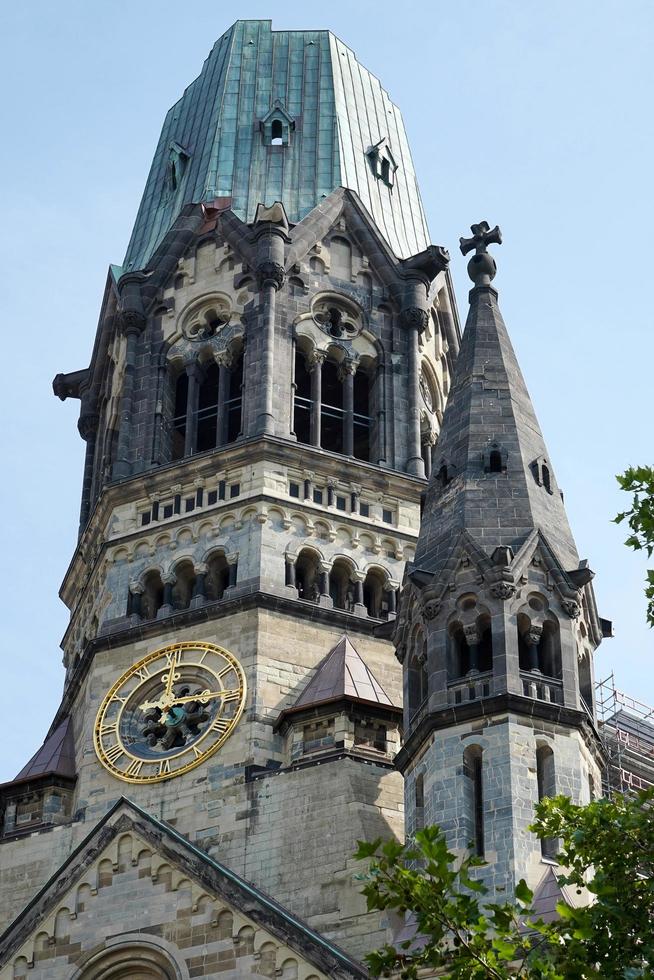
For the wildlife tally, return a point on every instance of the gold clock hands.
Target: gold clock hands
(205, 696)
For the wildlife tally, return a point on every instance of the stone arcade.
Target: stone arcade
(261, 412)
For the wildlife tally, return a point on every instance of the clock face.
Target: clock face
(169, 712)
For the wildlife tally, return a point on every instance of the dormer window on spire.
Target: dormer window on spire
(277, 126)
(178, 160)
(382, 162)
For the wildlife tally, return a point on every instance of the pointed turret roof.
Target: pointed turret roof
(343, 674)
(492, 476)
(56, 757)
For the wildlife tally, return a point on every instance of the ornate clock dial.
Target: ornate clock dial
(169, 712)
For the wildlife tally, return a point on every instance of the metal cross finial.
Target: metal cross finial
(482, 266)
(482, 236)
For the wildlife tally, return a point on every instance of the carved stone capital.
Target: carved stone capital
(316, 358)
(87, 426)
(471, 634)
(201, 568)
(169, 578)
(503, 590)
(270, 274)
(132, 322)
(533, 635)
(348, 366)
(414, 317)
(136, 588)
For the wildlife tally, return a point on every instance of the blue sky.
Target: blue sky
(536, 116)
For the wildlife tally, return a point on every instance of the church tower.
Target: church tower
(498, 623)
(265, 390)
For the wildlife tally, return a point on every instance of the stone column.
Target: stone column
(232, 562)
(392, 601)
(132, 325)
(224, 379)
(325, 598)
(414, 320)
(316, 362)
(167, 607)
(290, 579)
(359, 605)
(88, 429)
(532, 639)
(347, 372)
(199, 596)
(134, 600)
(194, 372)
(472, 639)
(270, 276)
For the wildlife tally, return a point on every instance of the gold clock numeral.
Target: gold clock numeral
(134, 768)
(107, 730)
(120, 699)
(164, 767)
(196, 751)
(219, 725)
(114, 752)
(231, 695)
(143, 673)
(226, 670)
(174, 658)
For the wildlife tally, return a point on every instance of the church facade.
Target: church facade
(270, 655)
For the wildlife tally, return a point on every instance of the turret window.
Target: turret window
(470, 648)
(473, 793)
(546, 780)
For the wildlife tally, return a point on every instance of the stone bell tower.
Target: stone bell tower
(266, 387)
(497, 622)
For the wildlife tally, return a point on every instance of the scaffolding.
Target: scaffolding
(627, 730)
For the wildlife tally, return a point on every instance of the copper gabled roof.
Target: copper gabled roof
(56, 757)
(343, 674)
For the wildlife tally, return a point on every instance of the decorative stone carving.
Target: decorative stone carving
(431, 609)
(572, 608)
(533, 635)
(426, 393)
(414, 317)
(503, 590)
(337, 317)
(270, 274)
(471, 634)
(482, 266)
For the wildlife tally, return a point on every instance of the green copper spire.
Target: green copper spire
(287, 116)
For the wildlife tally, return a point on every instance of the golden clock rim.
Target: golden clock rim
(127, 674)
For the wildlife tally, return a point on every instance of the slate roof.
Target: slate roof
(489, 402)
(339, 108)
(55, 757)
(343, 674)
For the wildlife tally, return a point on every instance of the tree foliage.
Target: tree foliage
(606, 854)
(639, 480)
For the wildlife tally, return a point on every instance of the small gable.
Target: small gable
(136, 899)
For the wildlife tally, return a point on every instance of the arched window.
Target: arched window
(473, 797)
(546, 780)
(152, 599)
(470, 648)
(419, 802)
(276, 133)
(184, 584)
(495, 461)
(361, 421)
(539, 647)
(207, 419)
(341, 586)
(374, 595)
(217, 576)
(545, 475)
(331, 409)
(418, 677)
(585, 671)
(303, 403)
(179, 416)
(307, 572)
